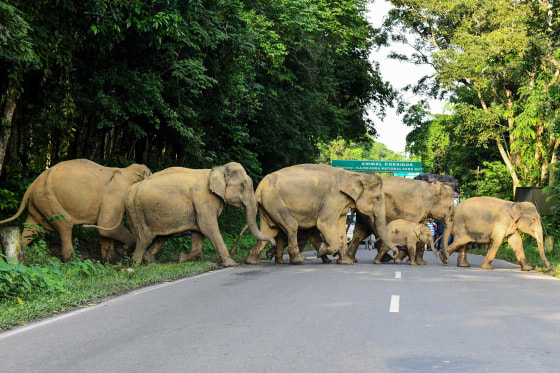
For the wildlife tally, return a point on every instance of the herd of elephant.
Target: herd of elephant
(297, 204)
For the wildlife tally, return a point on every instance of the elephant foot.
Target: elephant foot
(185, 258)
(251, 259)
(462, 262)
(413, 263)
(386, 258)
(297, 258)
(444, 258)
(526, 267)
(325, 259)
(228, 263)
(485, 266)
(279, 261)
(353, 259)
(149, 257)
(270, 253)
(346, 260)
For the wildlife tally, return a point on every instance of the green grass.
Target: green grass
(505, 252)
(84, 282)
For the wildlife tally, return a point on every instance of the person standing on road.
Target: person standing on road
(432, 226)
(439, 232)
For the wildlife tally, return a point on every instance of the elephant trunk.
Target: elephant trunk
(540, 244)
(251, 216)
(433, 247)
(444, 255)
(380, 228)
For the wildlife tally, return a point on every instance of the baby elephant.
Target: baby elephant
(413, 236)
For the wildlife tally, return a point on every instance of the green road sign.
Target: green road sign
(378, 166)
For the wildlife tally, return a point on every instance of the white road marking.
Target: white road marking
(394, 307)
(397, 275)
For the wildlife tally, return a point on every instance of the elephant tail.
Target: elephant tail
(22, 206)
(234, 248)
(103, 228)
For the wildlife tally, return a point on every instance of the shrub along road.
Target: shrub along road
(310, 317)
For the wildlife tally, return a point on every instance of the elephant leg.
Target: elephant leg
(64, 229)
(360, 233)
(281, 242)
(197, 245)
(316, 240)
(151, 251)
(462, 258)
(516, 244)
(412, 253)
(382, 251)
(402, 256)
(208, 225)
(296, 257)
(31, 229)
(120, 234)
(336, 239)
(140, 249)
(495, 243)
(107, 249)
(420, 253)
(255, 252)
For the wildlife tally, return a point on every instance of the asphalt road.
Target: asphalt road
(309, 318)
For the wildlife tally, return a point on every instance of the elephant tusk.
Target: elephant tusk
(537, 237)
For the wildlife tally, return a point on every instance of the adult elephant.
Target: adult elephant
(488, 220)
(412, 236)
(178, 200)
(311, 196)
(412, 200)
(79, 192)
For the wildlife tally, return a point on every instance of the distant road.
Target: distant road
(309, 318)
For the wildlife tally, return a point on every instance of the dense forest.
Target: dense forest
(188, 83)
(275, 83)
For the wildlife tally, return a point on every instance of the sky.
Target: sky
(391, 131)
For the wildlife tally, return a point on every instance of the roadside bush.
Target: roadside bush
(18, 281)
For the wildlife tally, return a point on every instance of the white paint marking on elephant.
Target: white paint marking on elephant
(394, 307)
(397, 275)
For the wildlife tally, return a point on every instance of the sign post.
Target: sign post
(400, 168)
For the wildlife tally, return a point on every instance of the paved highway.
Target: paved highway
(309, 318)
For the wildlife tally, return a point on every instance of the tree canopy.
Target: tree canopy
(187, 83)
(497, 63)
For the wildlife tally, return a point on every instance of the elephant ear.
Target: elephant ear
(516, 211)
(353, 188)
(217, 182)
(417, 230)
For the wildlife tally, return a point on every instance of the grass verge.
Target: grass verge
(86, 290)
(505, 252)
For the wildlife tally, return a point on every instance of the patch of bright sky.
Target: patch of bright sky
(392, 131)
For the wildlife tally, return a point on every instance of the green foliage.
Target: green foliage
(19, 281)
(366, 149)
(497, 63)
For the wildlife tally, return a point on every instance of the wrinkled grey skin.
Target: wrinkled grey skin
(84, 192)
(412, 200)
(316, 196)
(488, 220)
(412, 236)
(178, 201)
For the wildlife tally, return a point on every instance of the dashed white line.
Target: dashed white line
(394, 307)
(397, 275)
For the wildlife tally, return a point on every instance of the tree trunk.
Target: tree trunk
(10, 239)
(6, 120)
